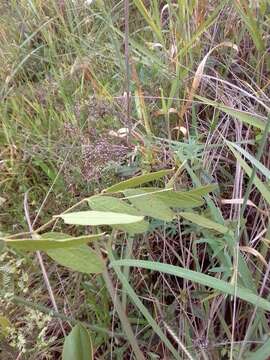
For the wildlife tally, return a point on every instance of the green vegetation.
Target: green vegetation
(134, 179)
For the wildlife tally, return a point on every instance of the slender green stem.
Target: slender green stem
(141, 307)
(249, 186)
(122, 316)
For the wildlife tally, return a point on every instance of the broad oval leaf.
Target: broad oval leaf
(78, 344)
(180, 199)
(112, 204)
(204, 222)
(138, 180)
(80, 258)
(96, 218)
(149, 205)
(52, 240)
(176, 199)
(109, 203)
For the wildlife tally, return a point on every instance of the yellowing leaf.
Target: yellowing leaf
(199, 73)
(254, 252)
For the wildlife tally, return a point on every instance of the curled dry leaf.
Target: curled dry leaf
(199, 74)
(254, 252)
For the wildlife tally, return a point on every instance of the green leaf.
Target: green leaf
(252, 24)
(149, 19)
(262, 353)
(179, 199)
(137, 228)
(257, 182)
(138, 180)
(255, 162)
(203, 190)
(149, 205)
(78, 345)
(204, 222)
(176, 199)
(108, 203)
(49, 171)
(247, 118)
(51, 240)
(96, 218)
(80, 258)
(202, 279)
(113, 204)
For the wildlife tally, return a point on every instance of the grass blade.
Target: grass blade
(252, 159)
(257, 182)
(245, 117)
(202, 279)
(149, 19)
(135, 299)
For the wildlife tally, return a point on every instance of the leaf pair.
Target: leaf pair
(119, 207)
(128, 216)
